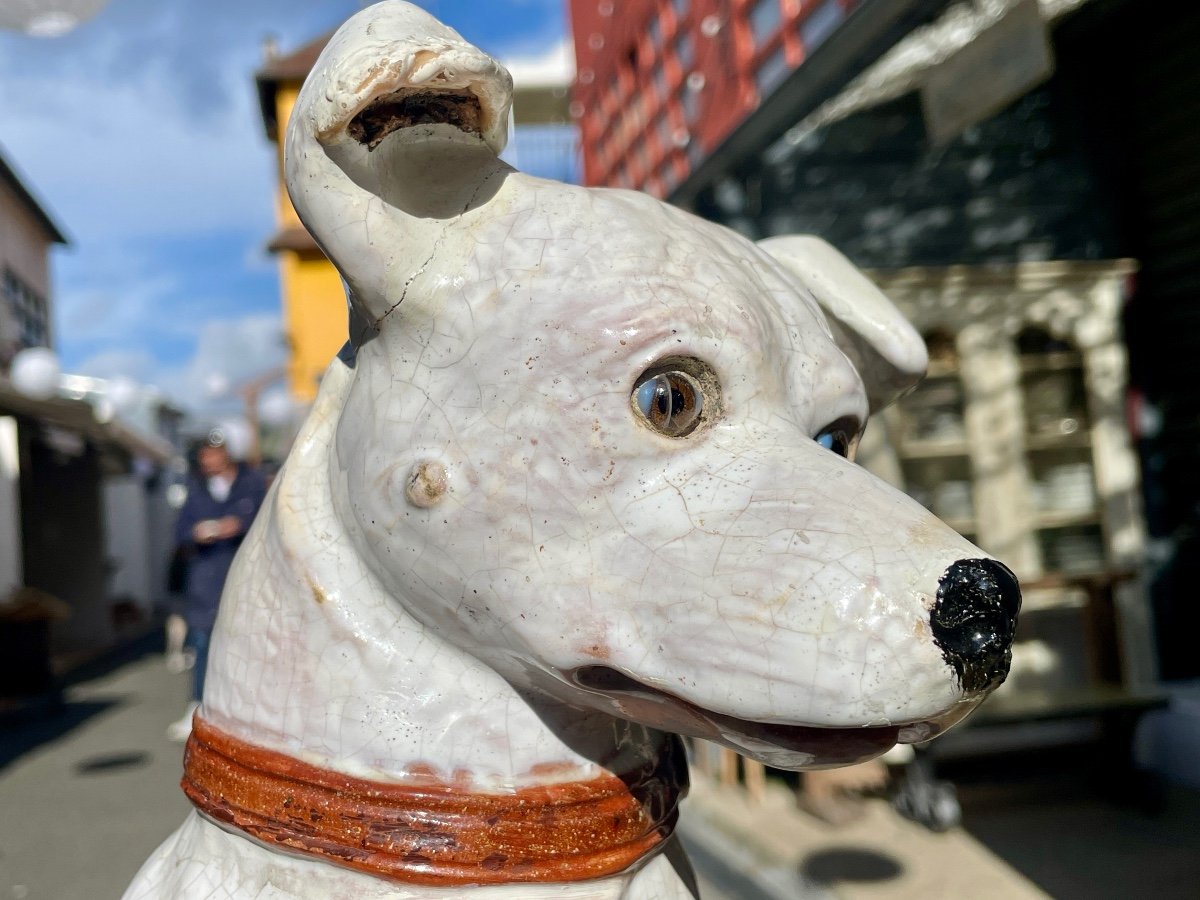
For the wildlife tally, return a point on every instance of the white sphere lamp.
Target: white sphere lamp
(35, 373)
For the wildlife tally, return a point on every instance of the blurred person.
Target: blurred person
(222, 500)
(179, 656)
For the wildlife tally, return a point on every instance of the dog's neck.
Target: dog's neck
(311, 658)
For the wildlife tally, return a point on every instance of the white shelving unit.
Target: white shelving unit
(1017, 439)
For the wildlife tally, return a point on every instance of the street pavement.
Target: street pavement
(86, 794)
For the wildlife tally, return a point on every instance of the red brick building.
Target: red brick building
(662, 85)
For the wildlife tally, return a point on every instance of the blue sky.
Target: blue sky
(140, 133)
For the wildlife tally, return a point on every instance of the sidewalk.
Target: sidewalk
(1035, 825)
(789, 854)
(87, 794)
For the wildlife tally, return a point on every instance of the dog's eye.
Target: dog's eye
(671, 401)
(841, 437)
(835, 441)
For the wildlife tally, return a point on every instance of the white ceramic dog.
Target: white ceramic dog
(579, 486)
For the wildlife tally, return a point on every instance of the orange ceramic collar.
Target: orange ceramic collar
(435, 833)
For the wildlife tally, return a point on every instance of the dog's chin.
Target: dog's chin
(781, 746)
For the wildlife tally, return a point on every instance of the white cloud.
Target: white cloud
(240, 350)
(140, 365)
(127, 157)
(230, 351)
(140, 130)
(552, 66)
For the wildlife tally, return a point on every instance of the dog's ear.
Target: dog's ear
(393, 140)
(887, 351)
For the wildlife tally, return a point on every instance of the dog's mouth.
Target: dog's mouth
(794, 747)
(412, 106)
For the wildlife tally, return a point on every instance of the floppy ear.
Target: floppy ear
(887, 351)
(394, 136)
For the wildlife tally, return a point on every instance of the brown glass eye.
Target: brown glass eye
(670, 401)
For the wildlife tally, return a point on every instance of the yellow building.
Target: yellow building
(314, 306)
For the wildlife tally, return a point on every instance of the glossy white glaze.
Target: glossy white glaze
(475, 513)
(201, 861)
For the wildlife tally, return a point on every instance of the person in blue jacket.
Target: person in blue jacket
(222, 499)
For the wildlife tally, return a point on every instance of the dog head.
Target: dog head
(605, 446)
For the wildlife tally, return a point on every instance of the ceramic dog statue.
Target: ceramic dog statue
(578, 485)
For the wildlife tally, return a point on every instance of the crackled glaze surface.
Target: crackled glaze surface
(482, 565)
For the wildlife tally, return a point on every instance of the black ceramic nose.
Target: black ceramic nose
(974, 619)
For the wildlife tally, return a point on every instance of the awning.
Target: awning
(871, 28)
(79, 417)
(295, 238)
(908, 64)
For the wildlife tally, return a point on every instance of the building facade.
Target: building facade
(665, 90)
(314, 308)
(26, 235)
(82, 517)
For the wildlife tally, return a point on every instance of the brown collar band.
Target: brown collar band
(435, 833)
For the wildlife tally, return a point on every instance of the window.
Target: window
(667, 178)
(660, 82)
(614, 90)
(663, 127)
(771, 72)
(548, 151)
(821, 23)
(765, 18)
(28, 310)
(690, 100)
(685, 51)
(655, 32)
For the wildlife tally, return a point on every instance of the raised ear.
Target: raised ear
(395, 134)
(887, 351)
